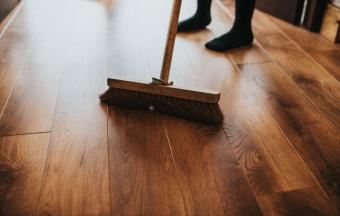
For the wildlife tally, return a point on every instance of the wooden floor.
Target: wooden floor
(64, 153)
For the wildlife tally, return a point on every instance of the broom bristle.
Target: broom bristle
(209, 113)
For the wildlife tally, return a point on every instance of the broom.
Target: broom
(161, 95)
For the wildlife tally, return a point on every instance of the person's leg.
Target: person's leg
(199, 20)
(241, 33)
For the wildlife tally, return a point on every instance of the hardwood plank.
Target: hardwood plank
(319, 48)
(31, 106)
(310, 201)
(314, 137)
(22, 160)
(13, 50)
(320, 86)
(143, 179)
(265, 154)
(329, 60)
(209, 173)
(304, 38)
(325, 169)
(76, 180)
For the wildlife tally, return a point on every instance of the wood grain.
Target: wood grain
(329, 60)
(22, 160)
(13, 50)
(210, 176)
(304, 38)
(317, 47)
(278, 144)
(143, 179)
(304, 131)
(310, 201)
(76, 178)
(320, 86)
(264, 152)
(314, 137)
(31, 106)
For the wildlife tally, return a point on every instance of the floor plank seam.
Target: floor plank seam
(61, 80)
(315, 106)
(43, 177)
(290, 191)
(108, 157)
(298, 155)
(243, 171)
(23, 134)
(171, 151)
(251, 63)
(332, 44)
(16, 78)
(174, 163)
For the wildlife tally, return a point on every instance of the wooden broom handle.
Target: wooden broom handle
(170, 42)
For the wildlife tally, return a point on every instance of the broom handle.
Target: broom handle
(170, 43)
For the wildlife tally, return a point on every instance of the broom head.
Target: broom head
(199, 106)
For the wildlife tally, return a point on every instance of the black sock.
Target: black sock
(241, 33)
(199, 20)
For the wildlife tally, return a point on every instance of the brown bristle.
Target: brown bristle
(209, 113)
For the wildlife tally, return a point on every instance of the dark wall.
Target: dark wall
(314, 14)
(289, 10)
(6, 6)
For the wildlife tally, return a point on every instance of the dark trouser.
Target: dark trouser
(243, 16)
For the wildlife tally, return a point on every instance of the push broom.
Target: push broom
(161, 95)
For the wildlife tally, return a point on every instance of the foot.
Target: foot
(231, 40)
(194, 23)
